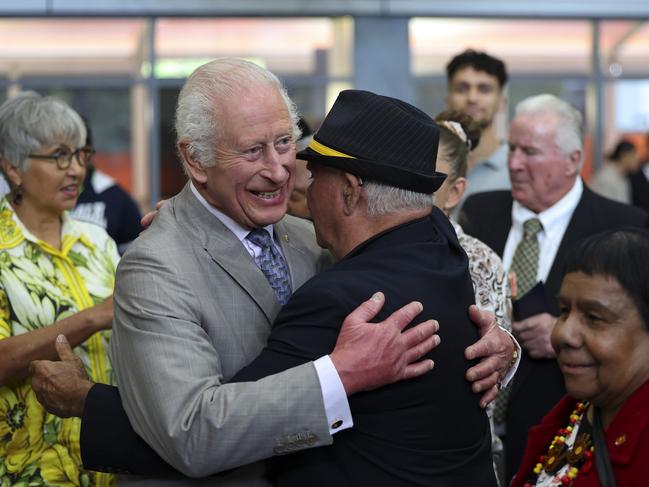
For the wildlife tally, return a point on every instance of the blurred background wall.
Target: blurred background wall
(121, 63)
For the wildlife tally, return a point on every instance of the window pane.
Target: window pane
(108, 114)
(623, 48)
(527, 46)
(69, 47)
(287, 46)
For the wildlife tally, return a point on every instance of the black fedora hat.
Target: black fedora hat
(378, 138)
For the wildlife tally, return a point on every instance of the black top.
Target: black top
(425, 431)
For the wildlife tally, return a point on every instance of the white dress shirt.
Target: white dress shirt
(555, 221)
(339, 416)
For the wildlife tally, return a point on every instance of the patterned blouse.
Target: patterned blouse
(489, 278)
(491, 294)
(38, 286)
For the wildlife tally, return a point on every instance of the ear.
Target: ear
(196, 170)
(13, 174)
(574, 159)
(455, 193)
(351, 193)
(503, 100)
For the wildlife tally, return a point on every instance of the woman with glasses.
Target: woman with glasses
(56, 277)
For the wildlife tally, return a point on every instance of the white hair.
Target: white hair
(569, 132)
(197, 120)
(385, 200)
(29, 122)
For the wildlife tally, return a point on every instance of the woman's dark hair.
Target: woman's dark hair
(452, 147)
(622, 148)
(620, 254)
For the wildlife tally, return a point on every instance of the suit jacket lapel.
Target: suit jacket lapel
(225, 249)
(500, 228)
(575, 232)
(299, 263)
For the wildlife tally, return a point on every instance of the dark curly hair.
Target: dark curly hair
(480, 61)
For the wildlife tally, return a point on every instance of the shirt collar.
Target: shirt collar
(551, 218)
(14, 232)
(240, 232)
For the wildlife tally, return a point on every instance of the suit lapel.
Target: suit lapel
(496, 236)
(578, 226)
(226, 251)
(299, 263)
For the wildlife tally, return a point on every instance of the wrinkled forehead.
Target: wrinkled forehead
(536, 123)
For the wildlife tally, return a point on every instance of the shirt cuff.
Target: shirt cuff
(515, 361)
(339, 416)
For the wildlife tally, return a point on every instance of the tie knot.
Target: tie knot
(260, 237)
(531, 227)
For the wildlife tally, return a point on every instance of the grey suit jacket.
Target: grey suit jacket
(191, 309)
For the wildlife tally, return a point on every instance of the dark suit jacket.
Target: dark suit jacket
(425, 431)
(538, 384)
(639, 189)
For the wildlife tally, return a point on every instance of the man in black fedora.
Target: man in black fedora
(371, 196)
(373, 168)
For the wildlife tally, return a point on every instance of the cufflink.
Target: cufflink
(336, 424)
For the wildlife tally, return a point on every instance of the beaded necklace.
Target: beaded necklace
(579, 456)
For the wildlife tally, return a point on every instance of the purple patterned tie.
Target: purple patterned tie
(271, 262)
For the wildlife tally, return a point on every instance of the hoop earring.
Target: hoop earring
(17, 194)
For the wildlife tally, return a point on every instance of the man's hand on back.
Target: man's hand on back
(497, 352)
(371, 355)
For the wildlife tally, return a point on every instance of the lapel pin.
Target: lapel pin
(286, 237)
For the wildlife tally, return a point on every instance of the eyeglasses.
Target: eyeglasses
(63, 156)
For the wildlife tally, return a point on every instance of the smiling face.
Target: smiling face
(45, 187)
(540, 172)
(476, 93)
(255, 159)
(601, 341)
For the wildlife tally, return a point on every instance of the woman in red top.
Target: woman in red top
(602, 343)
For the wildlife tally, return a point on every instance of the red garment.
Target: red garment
(627, 438)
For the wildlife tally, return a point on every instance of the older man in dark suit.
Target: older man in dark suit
(548, 211)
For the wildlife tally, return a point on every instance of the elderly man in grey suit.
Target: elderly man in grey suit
(195, 300)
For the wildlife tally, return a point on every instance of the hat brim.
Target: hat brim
(377, 171)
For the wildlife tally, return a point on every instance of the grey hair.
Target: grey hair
(29, 122)
(385, 200)
(569, 134)
(197, 120)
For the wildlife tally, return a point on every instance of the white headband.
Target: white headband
(457, 129)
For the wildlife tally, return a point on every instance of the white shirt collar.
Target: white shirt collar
(240, 232)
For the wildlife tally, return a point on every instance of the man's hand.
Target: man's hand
(497, 351)
(146, 220)
(61, 387)
(371, 355)
(533, 333)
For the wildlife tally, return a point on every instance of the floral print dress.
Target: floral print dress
(38, 286)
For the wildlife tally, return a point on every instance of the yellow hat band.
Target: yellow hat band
(326, 151)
